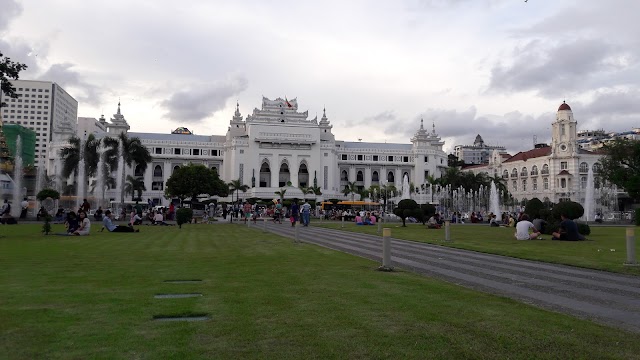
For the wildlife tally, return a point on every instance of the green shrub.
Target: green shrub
(571, 209)
(533, 208)
(46, 227)
(428, 210)
(584, 229)
(184, 216)
(407, 208)
(47, 193)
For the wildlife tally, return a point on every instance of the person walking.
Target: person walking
(306, 213)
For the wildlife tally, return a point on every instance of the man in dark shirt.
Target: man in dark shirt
(568, 230)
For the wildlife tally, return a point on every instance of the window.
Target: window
(545, 169)
(426, 174)
(214, 152)
(326, 154)
(175, 168)
(524, 185)
(195, 152)
(534, 184)
(344, 176)
(344, 156)
(563, 183)
(583, 182)
(241, 151)
(359, 176)
(158, 151)
(563, 165)
(157, 185)
(359, 157)
(596, 168)
(562, 130)
(157, 171)
(138, 171)
(405, 159)
(390, 177)
(176, 151)
(523, 172)
(426, 159)
(534, 170)
(375, 177)
(375, 157)
(505, 174)
(584, 167)
(514, 173)
(514, 184)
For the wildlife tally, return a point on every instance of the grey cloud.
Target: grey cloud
(562, 69)
(68, 78)
(611, 111)
(196, 104)
(10, 9)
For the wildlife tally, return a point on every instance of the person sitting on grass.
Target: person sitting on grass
(494, 221)
(71, 223)
(108, 224)
(568, 230)
(159, 219)
(522, 229)
(85, 224)
(433, 222)
(358, 220)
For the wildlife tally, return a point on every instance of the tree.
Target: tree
(407, 208)
(454, 162)
(71, 155)
(183, 216)
(133, 152)
(621, 165)
(47, 193)
(316, 190)
(9, 70)
(533, 208)
(305, 190)
(134, 185)
(191, 180)
(428, 210)
(234, 187)
(281, 193)
(385, 193)
(350, 188)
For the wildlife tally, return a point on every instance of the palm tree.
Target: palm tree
(385, 193)
(281, 194)
(133, 152)
(72, 154)
(350, 188)
(316, 190)
(234, 186)
(305, 190)
(134, 185)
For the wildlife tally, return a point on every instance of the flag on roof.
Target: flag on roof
(287, 102)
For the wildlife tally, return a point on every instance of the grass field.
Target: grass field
(92, 297)
(605, 250)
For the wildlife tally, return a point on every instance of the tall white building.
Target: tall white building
(478, 153)
(46, 108)
(278, 146)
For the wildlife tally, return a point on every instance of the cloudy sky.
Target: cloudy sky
(499, 68)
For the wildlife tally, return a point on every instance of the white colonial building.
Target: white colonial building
(478, 153)
(278, 146)
(548, 172)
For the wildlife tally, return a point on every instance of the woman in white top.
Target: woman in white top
(85, 224)
(522, 229)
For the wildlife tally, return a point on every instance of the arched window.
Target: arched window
(303, 175)
(505, 174)
(596, 168)
(375, 177)
(391, 178)
(359, 176)
(524, 172)
(265, 175)
(545, 169)
(157, 171)
(284, 175)
(515, 185)
(545, 183)
(534, 170)
(534, 184)
(138, 172)
(524, 184)
(584, 168)
(214, 168)
(563, 183)
(514, 173)
(344, 176)
(175, 168)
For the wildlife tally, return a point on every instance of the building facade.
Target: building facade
(277, 146)
(478, 153)
(44, 107)
(549, 172)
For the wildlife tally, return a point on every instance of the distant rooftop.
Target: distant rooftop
(381, 146)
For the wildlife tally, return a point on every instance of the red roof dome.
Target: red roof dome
(564, 106)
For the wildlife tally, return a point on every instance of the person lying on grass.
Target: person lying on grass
(108, 224)
(522, 229)
(85, 224)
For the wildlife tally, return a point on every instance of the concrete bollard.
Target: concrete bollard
(297, 232)
(264, 224)
(631, 248)
(386, 249)
(379, 224)
(447, 231)
(342, 222)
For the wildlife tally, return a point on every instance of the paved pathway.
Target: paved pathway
(609, 298)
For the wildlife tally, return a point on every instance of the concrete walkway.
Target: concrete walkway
(609, 298)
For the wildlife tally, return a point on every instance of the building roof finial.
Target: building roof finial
(421, 124)
(434, 126)
(118, 106)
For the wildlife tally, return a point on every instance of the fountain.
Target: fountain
(589, 201)
(120, 179)
(494, 201)
(99, 179)
(81, 176)
(17, 179)
(405, 188)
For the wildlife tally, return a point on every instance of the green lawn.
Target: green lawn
(605, 250)
(92, 298)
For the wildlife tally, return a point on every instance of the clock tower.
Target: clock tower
(564, 133)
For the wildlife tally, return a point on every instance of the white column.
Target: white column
(367, 177)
